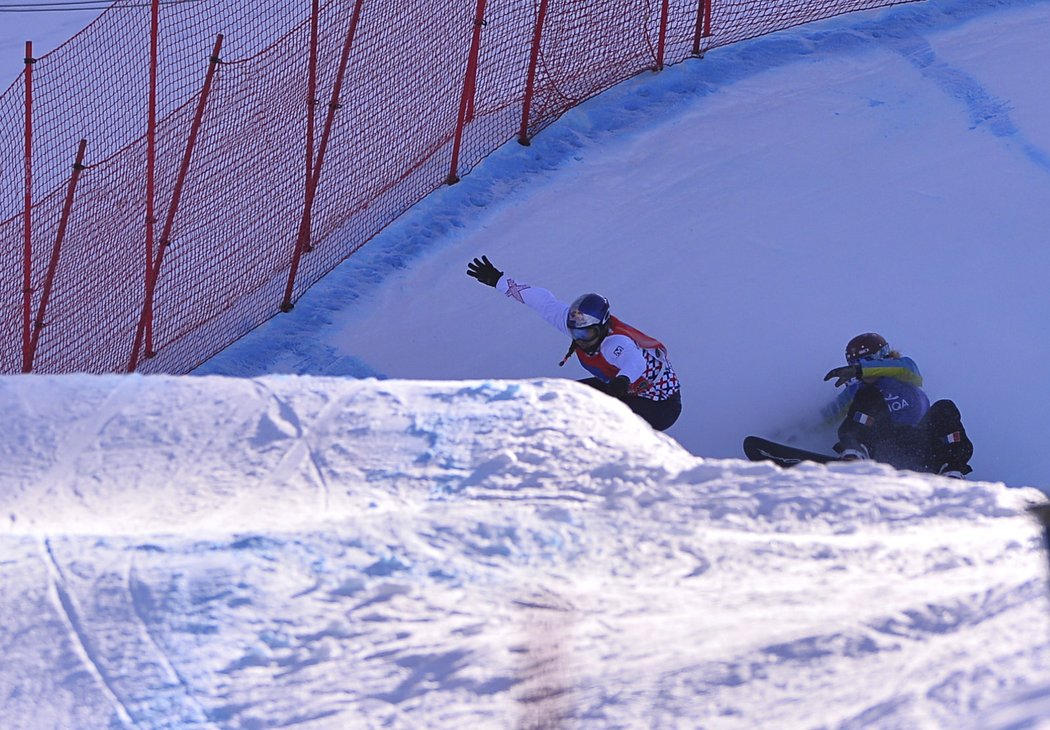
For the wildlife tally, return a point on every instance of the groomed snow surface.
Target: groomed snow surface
(313, 552)
(470, 539)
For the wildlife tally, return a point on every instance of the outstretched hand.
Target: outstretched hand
(483, 270)
(843, 374)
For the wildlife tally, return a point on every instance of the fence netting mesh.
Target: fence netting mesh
(426, 89)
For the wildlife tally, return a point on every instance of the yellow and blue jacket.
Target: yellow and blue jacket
(899, 381)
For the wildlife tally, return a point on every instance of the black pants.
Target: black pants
(938, 439)
(660, 414)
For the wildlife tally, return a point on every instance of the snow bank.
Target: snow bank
(200, 552)
(144, 454)
(154, 454)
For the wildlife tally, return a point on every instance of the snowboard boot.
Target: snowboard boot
(950, 447)
(857, 452)
(866, 425)
(954, 471)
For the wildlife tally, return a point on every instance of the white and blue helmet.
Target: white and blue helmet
(588, 318)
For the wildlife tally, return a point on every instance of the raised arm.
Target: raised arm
(903, 369)
(540, 300)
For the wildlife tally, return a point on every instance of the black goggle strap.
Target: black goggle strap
(572, 349)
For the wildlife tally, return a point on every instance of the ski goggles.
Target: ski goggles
(586, 334)
(882, 354)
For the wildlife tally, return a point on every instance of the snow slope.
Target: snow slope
(469, 538)
(330, 553)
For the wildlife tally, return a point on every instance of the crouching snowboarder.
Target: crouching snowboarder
(625, 363)
(888, 416)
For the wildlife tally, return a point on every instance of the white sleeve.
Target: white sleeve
(623, 353)
(543, 302)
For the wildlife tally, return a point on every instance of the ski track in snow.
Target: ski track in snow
(985, 110)
(281, 423)
(138, 590)
(92, 661)
(103, 607)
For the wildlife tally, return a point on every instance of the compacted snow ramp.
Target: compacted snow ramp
(203, 552)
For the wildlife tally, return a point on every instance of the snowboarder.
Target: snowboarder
(625, 363)
(888, 416)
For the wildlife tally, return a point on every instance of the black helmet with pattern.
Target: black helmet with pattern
(868, 346)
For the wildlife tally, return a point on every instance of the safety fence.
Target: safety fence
(178, 172)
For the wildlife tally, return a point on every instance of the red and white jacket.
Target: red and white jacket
(624, 351)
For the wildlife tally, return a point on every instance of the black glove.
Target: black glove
(844, 374)
(484, 271)
(620, 387)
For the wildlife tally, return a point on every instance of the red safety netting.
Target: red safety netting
(313, 126)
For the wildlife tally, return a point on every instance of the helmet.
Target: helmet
(868, 346)
(587, 318)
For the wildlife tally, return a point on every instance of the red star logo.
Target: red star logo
(514, 290)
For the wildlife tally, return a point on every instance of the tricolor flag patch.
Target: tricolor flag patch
(953, 438)
(863, 419)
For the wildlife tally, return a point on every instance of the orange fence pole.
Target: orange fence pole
(466, 101)
(52, 267)
(176, 198)
(530, 80)
(302, 239)
(311, 104)
(703, 24)
(27, 217)
(151, 162)
(662, 42)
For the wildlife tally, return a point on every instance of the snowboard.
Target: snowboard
(760, 449)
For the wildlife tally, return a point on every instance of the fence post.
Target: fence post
(27, 216)
(151, 163)
(52, 267)
(176, 198)
(311, 103)
(703, 24)
(662, 41)
(466, 101)
(302, 237)
(530, 80)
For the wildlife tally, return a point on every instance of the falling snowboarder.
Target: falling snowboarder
(888, 417)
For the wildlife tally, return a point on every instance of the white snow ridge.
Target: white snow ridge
(329, 553)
